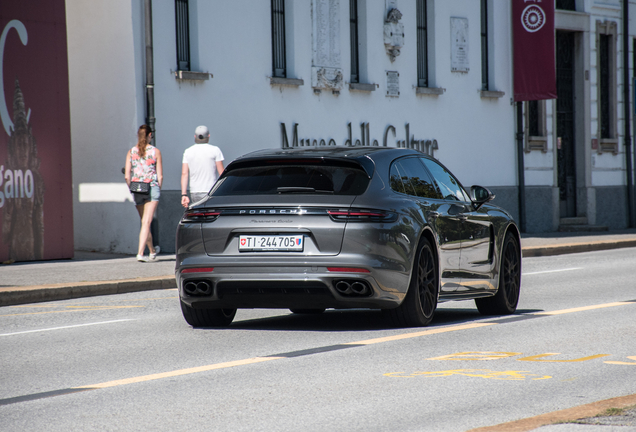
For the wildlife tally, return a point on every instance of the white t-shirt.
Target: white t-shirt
(201, 160)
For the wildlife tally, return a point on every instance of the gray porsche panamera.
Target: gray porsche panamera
(309, 229)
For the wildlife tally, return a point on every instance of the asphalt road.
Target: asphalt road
(130, 362)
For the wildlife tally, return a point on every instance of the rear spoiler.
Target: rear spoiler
(365, 163)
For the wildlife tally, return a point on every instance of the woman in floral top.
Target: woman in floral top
(144, 162)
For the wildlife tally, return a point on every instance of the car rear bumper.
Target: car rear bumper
(290, 286)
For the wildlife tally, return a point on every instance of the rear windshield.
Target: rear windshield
(290, 179)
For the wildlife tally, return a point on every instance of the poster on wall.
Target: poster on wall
(36, 206)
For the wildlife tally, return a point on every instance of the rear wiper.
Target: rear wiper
(300, 189)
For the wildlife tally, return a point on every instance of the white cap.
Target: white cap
(201, 135)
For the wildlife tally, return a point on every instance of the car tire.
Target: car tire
(207, 317)
(418, 307)
(307, 311)
(507, 297)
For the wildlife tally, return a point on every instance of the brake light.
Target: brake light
(198, 270)
(200, 215)
(347, 270)
(362, 215)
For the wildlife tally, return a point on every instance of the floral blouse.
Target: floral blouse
(144, 169)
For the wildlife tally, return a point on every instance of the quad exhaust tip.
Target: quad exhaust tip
(353, 288)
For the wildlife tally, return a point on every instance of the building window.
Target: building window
(422, 45)
(278, 39)
(353, 30)
(566, 4)
(183, 34)
(536, 133)
(606, 33)
(604, 78)
(484, 45)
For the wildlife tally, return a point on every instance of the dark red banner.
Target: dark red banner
(36, 201)
(534, 61)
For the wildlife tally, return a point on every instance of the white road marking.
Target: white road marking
(66, 327)
(553, 271)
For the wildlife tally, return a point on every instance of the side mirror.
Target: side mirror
(480, 196)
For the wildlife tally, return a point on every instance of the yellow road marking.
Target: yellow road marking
(39, 305)
(538, 358)
(73, 310)
(623, 363)
(476, 355)
(421, 333)
(178, 372)
(477, 373)
(584, 308)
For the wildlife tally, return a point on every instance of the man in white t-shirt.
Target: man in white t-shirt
(202, 165)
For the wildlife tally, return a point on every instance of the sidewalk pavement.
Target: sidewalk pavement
(92, 274)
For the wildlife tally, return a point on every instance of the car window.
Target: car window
(337, 180)
(447, 183)
(395, 179)
(414, 177)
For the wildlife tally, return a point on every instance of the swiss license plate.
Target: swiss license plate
(293, 243)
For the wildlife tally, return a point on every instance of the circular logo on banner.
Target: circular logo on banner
(533, 18)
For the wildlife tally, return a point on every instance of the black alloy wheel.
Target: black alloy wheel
(419, 305)
(507, 297)
(207, 317)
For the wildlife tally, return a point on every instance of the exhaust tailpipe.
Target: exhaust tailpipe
(198, 288)
(204, 288)
(359, 288)
(343, 287)
(190, 288)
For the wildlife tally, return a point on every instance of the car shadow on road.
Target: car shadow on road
(356, 320)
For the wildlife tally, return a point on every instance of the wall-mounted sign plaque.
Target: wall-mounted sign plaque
(459, 45)
(392, 83)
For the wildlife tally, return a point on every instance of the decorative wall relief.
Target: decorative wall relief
(326, 72)
(393, 30)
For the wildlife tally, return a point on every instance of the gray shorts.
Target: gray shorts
(197, 196)
(141, 199)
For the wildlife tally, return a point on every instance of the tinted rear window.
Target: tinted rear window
(275, 179)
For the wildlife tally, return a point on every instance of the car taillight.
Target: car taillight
(361, 215)
(347, 270)
(200, 216)
(198, 270)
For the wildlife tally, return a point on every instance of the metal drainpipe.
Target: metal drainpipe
(150, 96)
(521, 168)
(628, 140)
(150, 84)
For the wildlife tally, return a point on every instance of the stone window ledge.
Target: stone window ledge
(491, 94)
(292, 82)
(433, 91)
(537, 143)
(362, 87)
(192, 75)
(608, 145)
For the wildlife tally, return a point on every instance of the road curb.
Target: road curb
(64, 291)
(566, 415)
(563, 249)
(568, 248)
